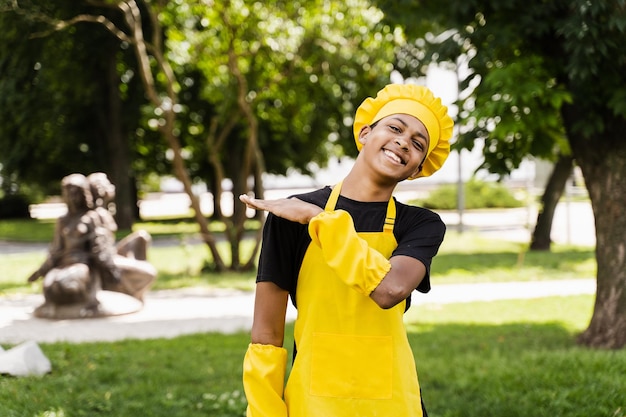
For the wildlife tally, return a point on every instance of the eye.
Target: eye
(418, 145)
(395, 128)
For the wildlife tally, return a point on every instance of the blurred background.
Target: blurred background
(187, 104)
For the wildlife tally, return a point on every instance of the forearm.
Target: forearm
(265, 361)
(264, 368)
(45, 267)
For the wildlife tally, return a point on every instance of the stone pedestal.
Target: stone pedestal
(109, 303)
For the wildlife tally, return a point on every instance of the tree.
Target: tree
(276, 79)
(545, 72)
(62, 109)
(280, 79)
(540, 239)
(503, 91)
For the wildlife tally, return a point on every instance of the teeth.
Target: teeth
(393, 156)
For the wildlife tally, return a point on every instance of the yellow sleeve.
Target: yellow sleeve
(358, 265)
(264, 368)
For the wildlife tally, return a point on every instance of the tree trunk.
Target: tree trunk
(552, 194)
(183, 176)
(133, 17)
(250, 160)
(214, 189)
(118, 150)
(602, 161)
(259, 192)
(235, 169)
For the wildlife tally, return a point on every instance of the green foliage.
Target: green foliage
(523, 65)
(14, 206)
(305, 67)
(535, 73)
(478, 195)
(55, 102)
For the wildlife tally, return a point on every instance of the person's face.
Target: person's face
(396, 146)
(74, 196)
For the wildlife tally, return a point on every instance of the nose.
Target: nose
(402, 142)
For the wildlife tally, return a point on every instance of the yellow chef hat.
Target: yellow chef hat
(417, 101)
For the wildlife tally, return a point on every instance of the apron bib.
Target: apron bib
(353, 358)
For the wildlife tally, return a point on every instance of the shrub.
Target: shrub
(478, 194)
(14, 206)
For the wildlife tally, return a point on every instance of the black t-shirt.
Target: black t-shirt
(418, 231)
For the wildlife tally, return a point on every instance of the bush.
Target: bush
(478, 194)
(14, 206)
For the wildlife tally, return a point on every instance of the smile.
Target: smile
(395, 158)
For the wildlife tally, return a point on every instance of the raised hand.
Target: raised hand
(288, 208)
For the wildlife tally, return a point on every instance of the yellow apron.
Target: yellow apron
(353, 358)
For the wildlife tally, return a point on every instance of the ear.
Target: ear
(417, 171)
(365, 130)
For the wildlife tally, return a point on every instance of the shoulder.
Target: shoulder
(317, 197)
(417, 213)
(413, 217)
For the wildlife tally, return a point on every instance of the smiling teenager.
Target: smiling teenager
(349, 256)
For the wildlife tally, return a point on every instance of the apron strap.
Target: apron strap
(334, 196)
(390, 217)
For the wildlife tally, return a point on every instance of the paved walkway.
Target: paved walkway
(173, 313)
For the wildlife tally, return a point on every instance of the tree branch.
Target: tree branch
(58, 25)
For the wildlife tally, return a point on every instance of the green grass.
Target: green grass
(27, 230)
(468, 257)
(514, 358)
(465, 257)
(185, 376)
(500, 359)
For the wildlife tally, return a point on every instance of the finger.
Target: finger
(247, 200)
(251, 202)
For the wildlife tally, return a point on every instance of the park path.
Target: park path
(172, 313)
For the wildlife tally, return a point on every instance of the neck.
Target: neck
(362, 188)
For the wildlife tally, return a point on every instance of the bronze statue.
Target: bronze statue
(83, 258)
(130, 253)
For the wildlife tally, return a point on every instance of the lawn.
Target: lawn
(503, 358)
(500, 359)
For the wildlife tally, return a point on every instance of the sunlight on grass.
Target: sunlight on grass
(185, 266)
(178, 266)
(489, 359)
(473, 242)
(469, 257)
(27, 230)
(463, 257)
(572, 312)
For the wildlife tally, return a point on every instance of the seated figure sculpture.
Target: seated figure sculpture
(76, 258)
(83, 259)
(130, 254)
